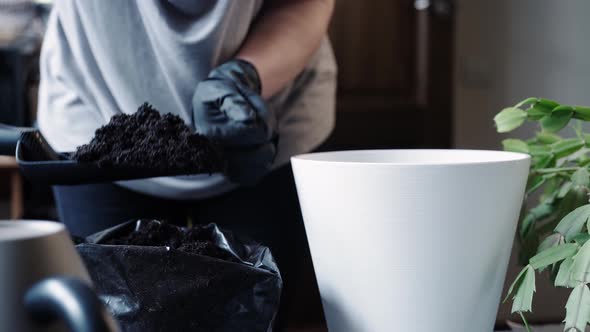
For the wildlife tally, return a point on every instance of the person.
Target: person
(259, 76)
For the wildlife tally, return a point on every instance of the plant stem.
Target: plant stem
(526, 324)
(556, 170)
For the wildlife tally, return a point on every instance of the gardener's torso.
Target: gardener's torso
(104, 57)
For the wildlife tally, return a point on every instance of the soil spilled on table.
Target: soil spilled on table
(195, 240)
(146, 139)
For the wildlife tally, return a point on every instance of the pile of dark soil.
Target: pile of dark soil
(195, 240)
(146, 139)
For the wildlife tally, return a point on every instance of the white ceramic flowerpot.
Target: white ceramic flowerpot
(418, 240)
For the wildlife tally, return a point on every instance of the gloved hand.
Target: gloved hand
(228, 108)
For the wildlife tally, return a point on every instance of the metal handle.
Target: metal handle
(70, 300)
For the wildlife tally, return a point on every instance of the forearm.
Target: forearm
(284, 38)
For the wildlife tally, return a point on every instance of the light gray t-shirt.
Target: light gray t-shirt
(105, 57)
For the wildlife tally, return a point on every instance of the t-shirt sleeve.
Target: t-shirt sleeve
(67, 117)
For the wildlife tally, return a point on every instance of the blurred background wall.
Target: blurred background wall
(506, 51)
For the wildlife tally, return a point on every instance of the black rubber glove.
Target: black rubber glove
(228, 108)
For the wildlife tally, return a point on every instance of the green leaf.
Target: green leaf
(564, 189)
(516, 283)
(515, 145)
(581, 238)
(583, 160)
(578, 309)
(566, 147)
(548, 103)
(509, 119)
(553, 255)
(538, 111)
(581, 265)
(547, 138)
(523, 299)
(581, 177)
(550, 190)
(530, 100)
(550, 241)
(553, 270)
(539, 150)
(562, 109)
(535, 183)
(582, 113)
(543, 161)
(557, 120)
(573, 222)
(563, 278)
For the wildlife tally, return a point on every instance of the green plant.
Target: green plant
(554, 233)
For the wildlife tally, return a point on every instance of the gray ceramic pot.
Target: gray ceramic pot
(44, 285)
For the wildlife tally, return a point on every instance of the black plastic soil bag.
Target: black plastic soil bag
(177, 285)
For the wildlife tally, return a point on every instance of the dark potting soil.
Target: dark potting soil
(146, 139)
(195, 240)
